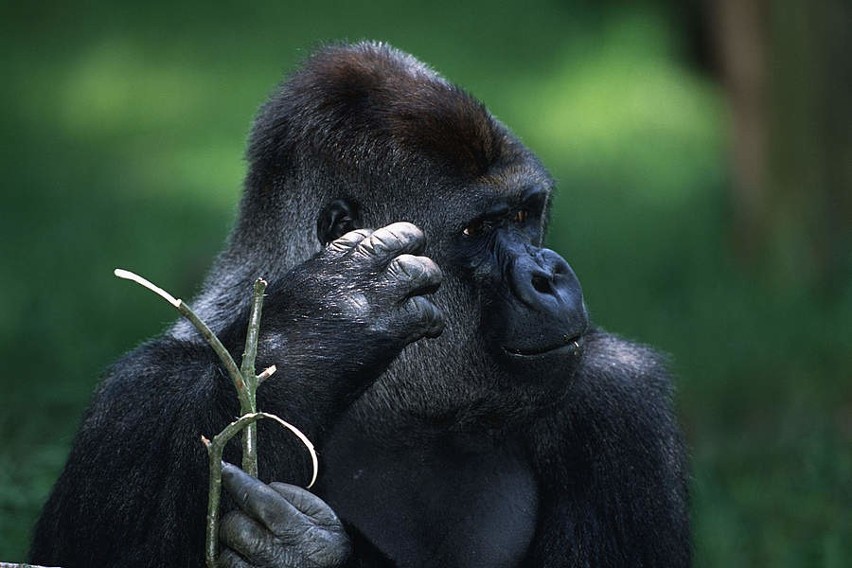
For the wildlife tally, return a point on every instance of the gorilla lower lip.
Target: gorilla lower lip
(574, 344)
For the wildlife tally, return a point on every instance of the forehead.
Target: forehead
(515, 179)
(510, 185)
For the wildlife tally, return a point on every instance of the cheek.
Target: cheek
(462, 308)
(470, 260)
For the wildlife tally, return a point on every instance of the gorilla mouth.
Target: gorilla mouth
(575, 344)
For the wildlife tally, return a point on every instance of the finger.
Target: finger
(248, 537)
(307, 540)
(349, 241)
(325, 541)
(259, 500)
(309, 504)
(416, 274)
(230, 559)
(395, 239)
(421, 318)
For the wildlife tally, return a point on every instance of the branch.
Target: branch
(247, 372)
(267, 372)
(215, 450)
(250, 353)
(187, 312)
(245, 383)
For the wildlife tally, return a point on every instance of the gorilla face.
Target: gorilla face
(535, 311)
(529, 302)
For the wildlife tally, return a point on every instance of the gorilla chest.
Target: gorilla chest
(436, 507)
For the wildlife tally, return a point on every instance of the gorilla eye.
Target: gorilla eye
(475, 229)
(521, 216)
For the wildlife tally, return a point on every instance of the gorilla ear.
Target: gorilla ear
(336, 219)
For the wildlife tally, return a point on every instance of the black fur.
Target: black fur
(519, 437)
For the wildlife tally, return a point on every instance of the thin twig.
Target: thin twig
(245, 383)
(145, 283)
(250, 353)
(215, 450)
(252, 381)
(187, 312)
(267, 372)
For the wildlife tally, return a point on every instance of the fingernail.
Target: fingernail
(228, 470)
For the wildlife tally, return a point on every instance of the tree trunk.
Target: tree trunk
(788, 80)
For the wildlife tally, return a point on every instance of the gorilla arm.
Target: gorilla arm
(283, 525)
(133, 492)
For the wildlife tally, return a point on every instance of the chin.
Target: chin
(551, 366)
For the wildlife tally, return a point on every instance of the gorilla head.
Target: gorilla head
(368, 135)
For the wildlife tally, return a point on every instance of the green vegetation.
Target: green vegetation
(124, 130)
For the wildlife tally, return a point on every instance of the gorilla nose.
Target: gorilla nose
(547, 284)
(546, 278)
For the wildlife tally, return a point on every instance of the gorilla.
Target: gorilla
(466, 411)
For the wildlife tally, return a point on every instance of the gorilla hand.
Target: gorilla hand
(386, 281)
(278, 525)
(352, 307)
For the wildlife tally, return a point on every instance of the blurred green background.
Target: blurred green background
(123, 129)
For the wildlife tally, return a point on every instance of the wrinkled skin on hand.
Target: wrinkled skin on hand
(369, 283)
(278, 525)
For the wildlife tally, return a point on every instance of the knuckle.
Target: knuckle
(431, 270)
(229, 559)
(349, 240)
(426, 319)
(382, 241)
(405, 231)
(391, 238)
(436, 326)
(229, 521)
(422, 308)
(407, 266)
(239, 531)
(415, 306)
(370, 247)
(333, 549)
(420, 270)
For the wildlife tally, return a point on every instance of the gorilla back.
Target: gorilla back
(466, 411)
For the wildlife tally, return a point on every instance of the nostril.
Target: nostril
(542, 284)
